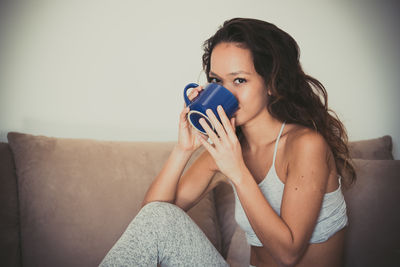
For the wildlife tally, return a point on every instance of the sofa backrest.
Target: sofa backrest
(374, 149)
(77, 196)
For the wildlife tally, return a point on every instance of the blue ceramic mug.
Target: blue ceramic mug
(210, 97)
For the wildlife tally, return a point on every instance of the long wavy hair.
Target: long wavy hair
(295, 96)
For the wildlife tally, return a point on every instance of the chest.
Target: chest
(261, 162)
(258, 167)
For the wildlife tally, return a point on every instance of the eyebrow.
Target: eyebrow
(232, 73)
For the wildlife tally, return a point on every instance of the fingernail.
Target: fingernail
(219, 107)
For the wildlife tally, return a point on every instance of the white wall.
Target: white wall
(115, 70)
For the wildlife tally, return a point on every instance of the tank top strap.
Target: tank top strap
(276, 143)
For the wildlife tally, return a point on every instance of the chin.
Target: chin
(238, 121)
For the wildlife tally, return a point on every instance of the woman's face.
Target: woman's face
(232, 66)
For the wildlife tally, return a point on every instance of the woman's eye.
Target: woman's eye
(213, 80)
(239, 80)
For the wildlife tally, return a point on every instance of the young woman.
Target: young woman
(284, 153)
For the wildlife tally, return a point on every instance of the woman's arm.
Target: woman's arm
(197, 181)
(187, 189)
(184, 191)
(164, 186)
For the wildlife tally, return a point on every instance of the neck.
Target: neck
(260, 131)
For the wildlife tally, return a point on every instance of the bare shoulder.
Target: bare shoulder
(306, 149)
(305, 142)
(308, 160)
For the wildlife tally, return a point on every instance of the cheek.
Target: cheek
(252, 99)
(244, 97)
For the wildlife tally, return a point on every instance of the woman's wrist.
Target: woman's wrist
(242, 175)
(186, 153)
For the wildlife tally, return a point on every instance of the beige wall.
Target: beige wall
(116, 69)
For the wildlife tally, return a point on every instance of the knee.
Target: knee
(158, 206)
(161, 211)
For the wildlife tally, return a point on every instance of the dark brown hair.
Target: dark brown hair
(295, 96)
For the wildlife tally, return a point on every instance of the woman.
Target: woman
(283, 152)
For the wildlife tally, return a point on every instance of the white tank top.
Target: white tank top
(332, 216)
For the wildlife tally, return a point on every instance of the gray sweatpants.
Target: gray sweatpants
(163, 233)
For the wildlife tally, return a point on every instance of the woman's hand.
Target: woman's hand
(226, 150)
(189, 138)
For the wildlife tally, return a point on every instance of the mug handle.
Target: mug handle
(187, 87)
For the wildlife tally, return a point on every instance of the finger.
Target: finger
(218, 126)
(195, 92)
(183, 117)
(201, 135)
(211, 134)
(185, 110)
(192, 94)
(198, 136)
(230, 130)
(208, 146)
(199, 88)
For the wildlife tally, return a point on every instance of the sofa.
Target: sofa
(65, 202)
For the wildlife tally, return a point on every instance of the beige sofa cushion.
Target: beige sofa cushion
(234, 245)
(373, 236)
(377, 148)
(225, 205)
(78, 196)
(239, 250)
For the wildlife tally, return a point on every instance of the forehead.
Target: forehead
(230, 57)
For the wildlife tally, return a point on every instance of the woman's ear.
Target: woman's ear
(269, 92)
